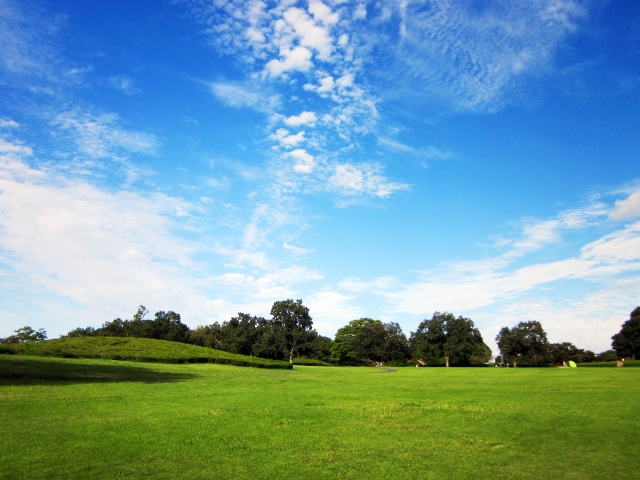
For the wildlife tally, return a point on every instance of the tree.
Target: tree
(81, 332)
(366, 340)
(26, 334)
(296, 324)
(607, 356)
(449, 340)
(343, 350)
(527, 340)
(627, 341)
(168, 326)
(565, 351)
(320, 348)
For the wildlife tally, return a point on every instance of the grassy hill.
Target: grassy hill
(137, 350)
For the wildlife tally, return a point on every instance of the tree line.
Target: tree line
(441, 340)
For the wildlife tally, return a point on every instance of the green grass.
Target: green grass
(627, 363)
(136, 350)
(75, 418)
(310, 362)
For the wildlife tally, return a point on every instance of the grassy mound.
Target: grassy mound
(136, 350)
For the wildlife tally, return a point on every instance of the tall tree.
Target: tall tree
(297, 324)
(565, 351)
(627, 341)
(343, 350)
(26, 334)
(527, 340)
(445, 338)
(366, 340)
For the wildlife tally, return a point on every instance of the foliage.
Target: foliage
(606, 356)
(26, 334)
(130, 420)
(165, 326)
(365, 341)
(526, 342)
(255, 336)
(135, 349)
(296, 324)
(627, 341)
(449, 340)
(563, 352)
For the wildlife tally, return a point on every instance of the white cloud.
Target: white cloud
(470, 286)
(100, 136)
(345, 81)
(305, 118)
(104, 252)
(125, 84)
(360, 12)
(323, 14)
(331, 310)
(15, 148)
(326, 84)
(286, 139)
(296, 250)
(298, 59)
(239, 96)
(304, 161)
(627, 208)
(351, 179)
(310, 34)
(8, 123)
(473, 59)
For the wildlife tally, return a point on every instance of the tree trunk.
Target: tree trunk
(291, 356)
(447, 361)
(515, 363)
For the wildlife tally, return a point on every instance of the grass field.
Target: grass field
(73, 418)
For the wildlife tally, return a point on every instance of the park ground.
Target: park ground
(79, 418)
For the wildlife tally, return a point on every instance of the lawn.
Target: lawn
(78, 418)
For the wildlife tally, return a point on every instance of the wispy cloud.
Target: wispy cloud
(237, 95)
(469, 57)
(101, 136)
(108, 251)
(125, 84)
(501, 284)
(296, 250)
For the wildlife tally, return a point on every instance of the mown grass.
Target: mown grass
(310, 362)
(136, 350)
(627, 363)
(110, 419)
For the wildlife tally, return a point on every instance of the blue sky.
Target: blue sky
(379, 159)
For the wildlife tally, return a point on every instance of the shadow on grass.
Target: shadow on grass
(47, 370)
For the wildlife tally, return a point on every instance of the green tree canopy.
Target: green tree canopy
(449, 340)
(366, 340)
(26, 334)
(565, 351)
(296, 323)
(526, 341)
(627, 341)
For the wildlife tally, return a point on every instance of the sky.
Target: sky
(374, 159)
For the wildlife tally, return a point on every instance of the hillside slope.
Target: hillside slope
(137, 350)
